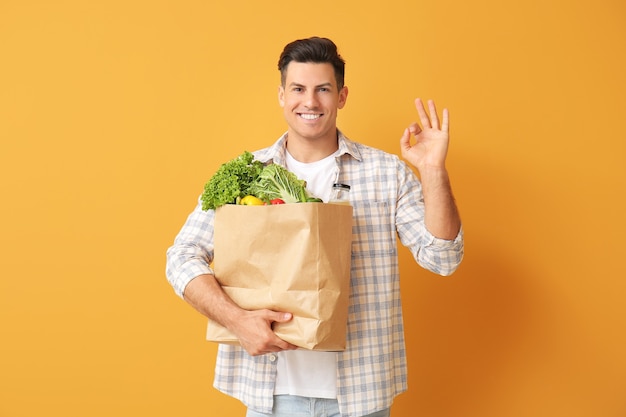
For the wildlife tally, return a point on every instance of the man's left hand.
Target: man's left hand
(431, 139)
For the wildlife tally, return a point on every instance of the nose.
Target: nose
(310, 101)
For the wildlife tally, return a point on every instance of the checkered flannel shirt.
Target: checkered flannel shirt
(387, 202)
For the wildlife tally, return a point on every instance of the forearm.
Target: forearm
(441, 215)
(252, 328)
(206, 295)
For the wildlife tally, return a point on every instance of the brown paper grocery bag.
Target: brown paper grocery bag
(288, 257)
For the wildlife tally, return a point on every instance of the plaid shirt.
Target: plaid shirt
(387, 201)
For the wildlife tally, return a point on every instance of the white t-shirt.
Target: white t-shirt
(304, 372)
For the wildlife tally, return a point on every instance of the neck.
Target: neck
(311, 150)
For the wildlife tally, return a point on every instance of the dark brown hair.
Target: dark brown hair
(316, 50)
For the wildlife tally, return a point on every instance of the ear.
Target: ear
(343, 97)
(281, 96)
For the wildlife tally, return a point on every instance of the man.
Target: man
(266, 373)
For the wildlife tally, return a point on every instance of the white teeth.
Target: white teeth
(310, 116)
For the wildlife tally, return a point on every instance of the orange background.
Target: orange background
(113, 114)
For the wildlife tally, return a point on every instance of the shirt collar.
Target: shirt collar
(278, 151)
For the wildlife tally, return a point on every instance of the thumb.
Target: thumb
(283, 317)
(405, 142)
(279, 316)
(405, 139)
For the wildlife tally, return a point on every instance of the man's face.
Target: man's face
(310, 100)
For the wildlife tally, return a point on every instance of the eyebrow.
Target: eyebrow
(294, 84)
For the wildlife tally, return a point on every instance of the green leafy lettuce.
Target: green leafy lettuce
(231, 181)
(274, 181)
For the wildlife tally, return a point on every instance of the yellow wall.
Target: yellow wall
(114, 113)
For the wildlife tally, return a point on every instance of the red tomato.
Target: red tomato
(277, 201)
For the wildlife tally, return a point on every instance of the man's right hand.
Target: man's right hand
(255, 333)
(252, 328)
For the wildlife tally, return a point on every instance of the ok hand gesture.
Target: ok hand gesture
(431, 140)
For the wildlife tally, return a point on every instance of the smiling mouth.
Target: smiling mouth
(308, 116)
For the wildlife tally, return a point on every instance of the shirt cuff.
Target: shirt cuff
(191, 272)
(435, 242)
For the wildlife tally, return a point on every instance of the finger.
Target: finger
(415, 129)
(282, 345)
(445, 122)
(405, 140)
(276, 345)
(434, 118)
(421, 111)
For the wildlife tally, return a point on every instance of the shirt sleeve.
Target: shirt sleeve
(440, 255)
(191, 254)
(437, 255)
